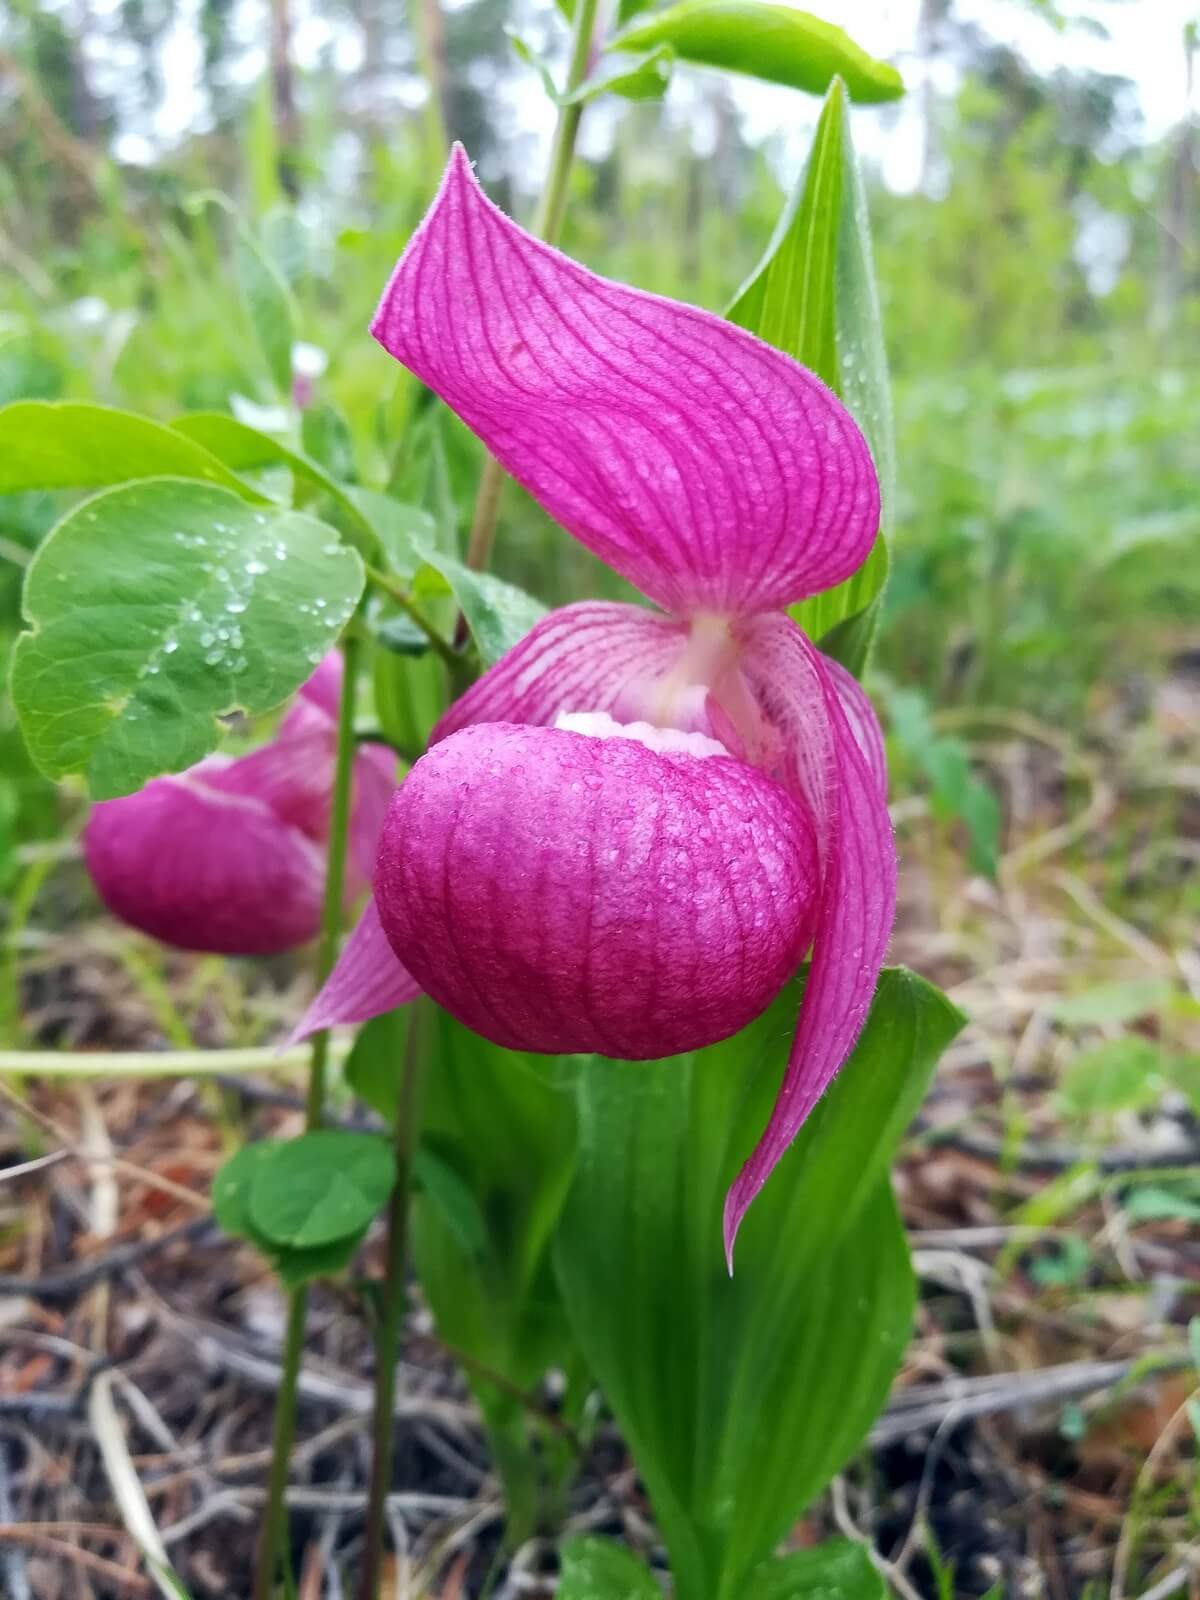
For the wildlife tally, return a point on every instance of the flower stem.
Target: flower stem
(396, 592)
(547, 226)
(392, 1308)
(275, 1522)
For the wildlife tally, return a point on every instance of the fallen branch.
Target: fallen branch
(71, 1280)
(929, 1405)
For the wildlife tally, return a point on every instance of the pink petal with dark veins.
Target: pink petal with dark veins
(593, 656)
(205, 869)
(560, 892)
(711, 470)
(366, 981)
(858, 888)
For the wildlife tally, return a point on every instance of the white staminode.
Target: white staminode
(667, 741)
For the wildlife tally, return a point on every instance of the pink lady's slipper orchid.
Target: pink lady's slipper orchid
(628, 834)
(229, 856)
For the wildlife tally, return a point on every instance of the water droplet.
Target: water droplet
(170, 646)
(235, 607)
(208, 637)
(222, 574)
(213, 657)
(281, 552)
(256, 568)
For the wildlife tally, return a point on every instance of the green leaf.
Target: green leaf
(1066, 1267)
(602, 1569)
(67, 444)
(811, 1328)
(1183, 1074)
(451, 1196)
(1118, 1075)
(231, 1193)
(156, 608)
(232, 1185)
(400, 528)
(765, 41)
(838, 1570)
(374, 1064)
(504, 1122)
(325, 435)
(1155, 1203)
(637, 77)
(268, 304)
(498, 613)
(980, 811)
(321, 1261)
(321, 1188)
(642, 76)
(813, 295)
(245, 449)
(1114, 1002)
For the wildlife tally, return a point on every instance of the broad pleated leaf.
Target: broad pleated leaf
(740, 1398)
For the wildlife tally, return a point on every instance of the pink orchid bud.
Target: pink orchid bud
(229, 856)
(631, 830)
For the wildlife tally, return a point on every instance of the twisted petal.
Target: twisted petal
(807, 703)
(203, 868)
(711, 470)
(586, 657)
(860, 714)
(367, 981)
(562, 891)
(374, 784)
(292, 775)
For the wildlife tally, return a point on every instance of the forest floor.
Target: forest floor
(1038, 1440)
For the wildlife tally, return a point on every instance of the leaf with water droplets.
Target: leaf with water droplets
(155, 608)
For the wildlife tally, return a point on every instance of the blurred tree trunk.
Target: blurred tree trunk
(1179, 210)
(283, 96)
(430, 30)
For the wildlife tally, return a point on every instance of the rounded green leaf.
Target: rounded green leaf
(320, 1188)
(765, 41)
(156, 608)
(232, 1185)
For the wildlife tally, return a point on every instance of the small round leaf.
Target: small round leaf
(320, 1188)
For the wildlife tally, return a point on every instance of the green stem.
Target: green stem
(397, 593)
(547, 225)
(275, 1522)
(151, 1063)
(387, 1344)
